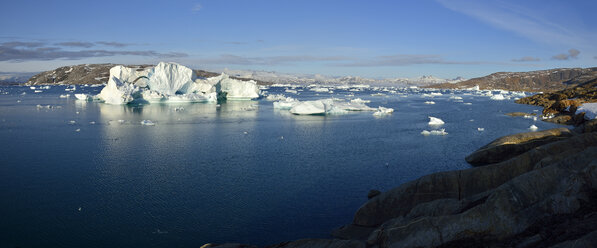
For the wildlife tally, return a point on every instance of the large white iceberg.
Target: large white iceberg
(327, 106)
(171, 82)
(590, 110)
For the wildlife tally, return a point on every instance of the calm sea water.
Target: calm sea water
(83, 174)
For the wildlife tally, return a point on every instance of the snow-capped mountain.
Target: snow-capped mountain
(306, 79)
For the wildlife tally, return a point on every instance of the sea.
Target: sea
(87, 174)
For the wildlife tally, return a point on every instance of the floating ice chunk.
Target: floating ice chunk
(32, 87)
(37, 91)
(288, 103)
(456, 98)
(381, 111)
(92, 122)
(378, 94)
(327, 106)
(359, 100)
(65, 96)
(309, 108)
(497, 97)
(83, 97)
(467, 103)
(433, 121)
(480, 129)
(590, 110)
(147, 123)
(290, 91)
(78, 130)
(434, 132)
(238, 90)
(275, 97)
(533, 128)
(429, 102)
(72, 122)
(319, 89)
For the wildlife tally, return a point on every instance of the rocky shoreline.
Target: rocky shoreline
(535, 189)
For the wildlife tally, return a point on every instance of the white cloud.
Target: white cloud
(197, 7)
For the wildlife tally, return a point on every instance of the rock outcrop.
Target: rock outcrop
(533, 81)
(562, 105)
(544, 196)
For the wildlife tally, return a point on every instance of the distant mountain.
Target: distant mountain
(15, 77)
(544, 80)
(306, 79)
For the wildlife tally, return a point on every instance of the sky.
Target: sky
(375, 38)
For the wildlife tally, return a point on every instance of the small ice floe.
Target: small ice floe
(291, 91)
(434, 121)
(434, 132)
(381, 111)
(32, 87)
(65, 96)
(378, 94)
(281, 137)
(429, 102)
(121, 121)
(533, 128)
(92, 122)
(72, 122)
(78, 130)
(456, 98)
(467, 103)
(80, 208)
(480, 129)
(275, 97)
(359, 100)
(245, 132)
(158, 231)
(84, 97)
(38, 91)
(24, 93)
(179, 109)
(18, 100)
(147, 123)
(498, 97)
(534, 118)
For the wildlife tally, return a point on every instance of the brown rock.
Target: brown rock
(510, 146)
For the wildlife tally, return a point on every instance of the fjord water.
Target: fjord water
(238, 172)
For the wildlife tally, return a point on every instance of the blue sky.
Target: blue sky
(444, 38)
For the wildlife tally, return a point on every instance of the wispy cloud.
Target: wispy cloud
(36, 51)
(273, 60)
(572, 54)
(526, 59)
(196, 7)
(525, 22)
(112, 44)
(76, 44)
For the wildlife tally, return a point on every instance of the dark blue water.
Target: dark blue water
(238, 172)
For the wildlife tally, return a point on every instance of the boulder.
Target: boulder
(510, 146)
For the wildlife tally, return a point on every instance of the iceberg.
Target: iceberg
(434, 132)
(381, 111)
(288, 103)
(171, 82)
(590, 110)
(433, 121)
(327, 106)
(275, 97)
(497, 97)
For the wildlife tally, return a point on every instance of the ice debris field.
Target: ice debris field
(171, 83)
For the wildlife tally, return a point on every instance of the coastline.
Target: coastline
(534, 189)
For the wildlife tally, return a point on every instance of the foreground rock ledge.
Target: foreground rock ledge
(546, 196)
